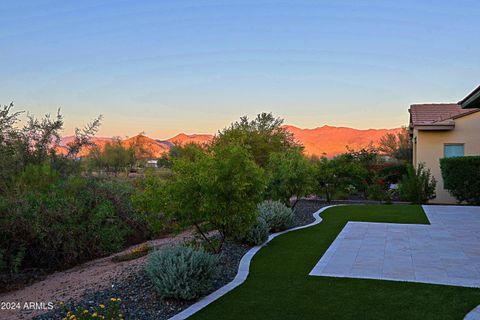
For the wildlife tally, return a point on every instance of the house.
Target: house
(152, 163)
(445, 130)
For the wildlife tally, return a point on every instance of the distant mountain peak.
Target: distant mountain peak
(328, 140)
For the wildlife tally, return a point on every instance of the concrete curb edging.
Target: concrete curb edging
(243, 270)
(474, 314)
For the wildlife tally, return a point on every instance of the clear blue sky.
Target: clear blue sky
(195, 66)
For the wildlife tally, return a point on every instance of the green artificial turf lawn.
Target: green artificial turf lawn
(279, 287)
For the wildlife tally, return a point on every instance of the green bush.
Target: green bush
(461, 177)
(277, 215)
(220, 188)
(258, 233)
(149, 203)
(290, 174)
(182, 272)
(392, 173)
(68, 221)
(418, 185)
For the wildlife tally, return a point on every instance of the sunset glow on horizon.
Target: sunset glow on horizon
(195, 66)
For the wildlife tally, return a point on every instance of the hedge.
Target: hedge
(461, 177)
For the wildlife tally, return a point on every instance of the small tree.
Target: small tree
(114, 157)
(418, 185)
(289, 174)
(335, 175)
(35, 143)
(221, 186)
(262, 136)
(398, 146)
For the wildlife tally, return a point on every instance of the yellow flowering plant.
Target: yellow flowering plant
(108, 311)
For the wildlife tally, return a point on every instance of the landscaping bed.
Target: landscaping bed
(304, 210)
(138, 295)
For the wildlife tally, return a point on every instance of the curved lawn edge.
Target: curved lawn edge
(243, 270)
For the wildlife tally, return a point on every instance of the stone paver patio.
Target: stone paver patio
(445, 252)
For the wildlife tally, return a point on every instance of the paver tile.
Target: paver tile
(445, 252)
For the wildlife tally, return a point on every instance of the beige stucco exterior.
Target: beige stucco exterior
(428, 147)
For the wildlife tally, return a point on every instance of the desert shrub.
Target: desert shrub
(63, 223)
(149, 201)
(461, 177)
(182, 272)
(418, 185)
(219, 188)
(290, 174)
(277, 215)
(258, 233)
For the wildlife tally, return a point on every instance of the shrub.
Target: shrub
(110, 311)
(149, 203)
(418, 185)
(392, 173)
(376, 191)
(337, 174)
(182, 272)
(220, 188)
(461, 177)
(277, 215)
(66, 222)
(290, 174)
(258, 233)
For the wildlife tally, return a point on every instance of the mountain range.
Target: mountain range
(325, 140)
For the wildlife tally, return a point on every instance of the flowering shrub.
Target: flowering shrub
(110, 311)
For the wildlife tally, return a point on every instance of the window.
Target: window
(453, 150)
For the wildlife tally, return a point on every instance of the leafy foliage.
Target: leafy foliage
(277, 216)
(149, 202)
(113, 157)
(418, 185)
(461, 177)
(398, 146)
(262, 136)
(258, 233)
(182, 272)
(338, 174)
(221, 186)
(36, 142)
(63, 222)
(290, 174)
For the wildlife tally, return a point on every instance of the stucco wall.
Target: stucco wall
(429, 148)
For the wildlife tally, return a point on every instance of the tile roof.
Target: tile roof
(437, 113)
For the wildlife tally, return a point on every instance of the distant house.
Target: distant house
(445, 130)
(151, 163)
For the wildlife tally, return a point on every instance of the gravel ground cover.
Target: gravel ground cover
(138, 295)
(304, 210)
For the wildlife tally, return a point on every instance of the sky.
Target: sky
(163, 67)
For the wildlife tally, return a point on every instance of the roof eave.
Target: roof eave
(430, 127)
(472, 100)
